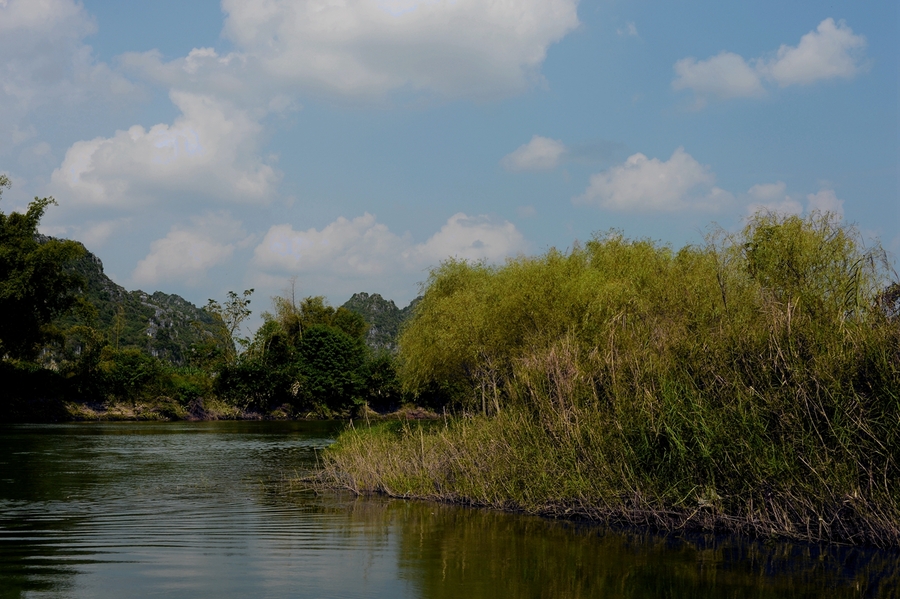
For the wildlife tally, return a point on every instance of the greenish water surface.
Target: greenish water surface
(210, 510)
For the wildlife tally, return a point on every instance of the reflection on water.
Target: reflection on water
(208, 510)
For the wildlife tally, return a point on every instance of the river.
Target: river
(213, 509)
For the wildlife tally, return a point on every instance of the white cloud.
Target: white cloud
(209, 151)
(92, 234)
(469, 238)
(186, 253)
(725, 75)
(642, 184)
(539, 154)
(38, 155)
(96, 233)
(451, 48)
(768, 192)
(832, 50)
(44, 63)
(772, 197)
(362, 247)
(829, 52)
(825, 200)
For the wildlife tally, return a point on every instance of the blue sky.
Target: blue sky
(206, 146)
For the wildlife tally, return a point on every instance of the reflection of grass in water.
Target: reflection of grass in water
(746, 385)
(451, 552)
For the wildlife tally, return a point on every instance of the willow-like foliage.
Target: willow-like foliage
(755, 377)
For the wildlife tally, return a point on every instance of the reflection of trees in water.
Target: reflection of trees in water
(451, 551)
(454, 552)
(444, 551)
(55, 481)
(31, 488)
(31, 561)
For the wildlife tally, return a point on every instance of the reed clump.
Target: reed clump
(749, 384)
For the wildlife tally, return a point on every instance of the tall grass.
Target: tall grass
(752, 384)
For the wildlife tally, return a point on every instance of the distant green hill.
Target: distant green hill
(162, 325)
(383, 316)
(166, 326)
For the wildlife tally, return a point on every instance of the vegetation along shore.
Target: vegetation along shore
(749, 384)
(74, 345)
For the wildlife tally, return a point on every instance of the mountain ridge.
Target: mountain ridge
(168, 327)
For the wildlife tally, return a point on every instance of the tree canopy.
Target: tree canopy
(35, 286)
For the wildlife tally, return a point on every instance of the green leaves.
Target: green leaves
(331, 362)
(776, 303)
(307, 354)
(230, 316)
(35, 286)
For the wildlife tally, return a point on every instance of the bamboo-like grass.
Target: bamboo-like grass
(749, 385)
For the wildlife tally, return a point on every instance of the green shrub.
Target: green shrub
(756, 377)
(331, 362)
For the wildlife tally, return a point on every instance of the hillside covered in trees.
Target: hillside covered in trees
(168, 327)
(159, 325)
(76, 344)
(384, 318)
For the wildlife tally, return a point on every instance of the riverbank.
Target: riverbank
(513, 462)
(751, 385)
(166, 410)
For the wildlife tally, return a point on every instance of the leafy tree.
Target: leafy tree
(307, 353)
(331, 362)
(281, 333)
(230, 315)
(35, 286)
(314, 310)
(382, 391)
(251, 384)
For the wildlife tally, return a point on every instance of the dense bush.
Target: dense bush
(755, 377)
(35, 284)
(330, 363)
(313, 357)
(254, 385)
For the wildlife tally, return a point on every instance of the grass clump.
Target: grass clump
(751, 384)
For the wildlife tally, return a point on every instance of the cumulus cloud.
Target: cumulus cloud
(360, 245)
(469, 238)
(452, 48)
(186, 253)
(643, 184)
(825, 200)
(725, 75)
(831, 51)
(363, 247)
(45, 63)
(540, 154)
(209, 151)
(772, 197)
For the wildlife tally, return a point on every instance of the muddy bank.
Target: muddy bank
(166, 409)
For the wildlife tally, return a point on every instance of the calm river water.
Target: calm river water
(208, 510)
